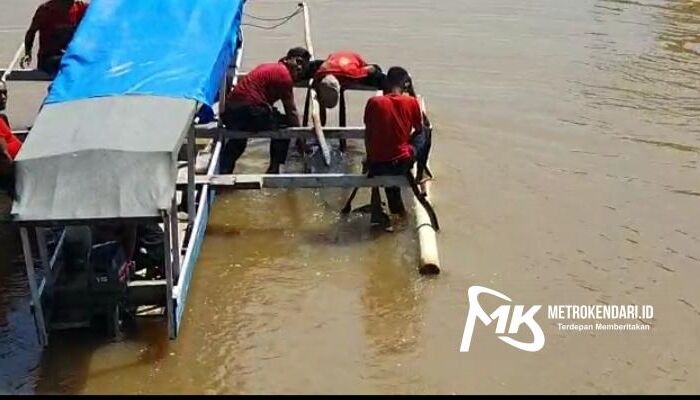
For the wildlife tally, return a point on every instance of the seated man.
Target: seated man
(338, 71)
(56, 22)
(250, 107)
(390, 121)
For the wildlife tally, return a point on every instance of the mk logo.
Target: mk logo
(501, 314)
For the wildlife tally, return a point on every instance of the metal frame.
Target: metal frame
(298, 181)
(185, 263)
(211, 131)
(36, 306)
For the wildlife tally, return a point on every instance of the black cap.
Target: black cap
(299, 52)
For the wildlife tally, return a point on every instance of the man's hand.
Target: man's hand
(25, 61)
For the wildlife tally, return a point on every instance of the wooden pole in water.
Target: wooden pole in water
(427, 237)
(315, 113)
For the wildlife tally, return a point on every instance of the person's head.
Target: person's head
(327, 91)
(297, 60)
(3, 95)
(397, 80)
(311, 68)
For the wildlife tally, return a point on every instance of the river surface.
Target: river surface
(567, 149)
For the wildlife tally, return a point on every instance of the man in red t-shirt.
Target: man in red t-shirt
(56, 22)
(394, 138)
(338, 71)
(9, 147)
(250, 107)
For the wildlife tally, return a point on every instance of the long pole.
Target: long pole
(427, 241)
(11, 67)
(315, 113)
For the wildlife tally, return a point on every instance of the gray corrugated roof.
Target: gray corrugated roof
(101, 158)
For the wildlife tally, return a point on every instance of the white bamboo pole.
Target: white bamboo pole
(11, 67)
(315, 112)
(427, 241)
(429, 260)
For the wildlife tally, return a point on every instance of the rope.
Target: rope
(283, 20)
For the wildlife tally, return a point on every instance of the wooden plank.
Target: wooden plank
(351, 132)
(26, 75)
(300, 181)
(147, 283)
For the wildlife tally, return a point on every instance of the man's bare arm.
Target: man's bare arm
(29, 41)
(290, 109)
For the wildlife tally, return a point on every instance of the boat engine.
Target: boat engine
(91, 290)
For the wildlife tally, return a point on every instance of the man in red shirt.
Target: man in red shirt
(56, 22)
(338, 71)
(9, 147)
(394, 138)
(250, 107)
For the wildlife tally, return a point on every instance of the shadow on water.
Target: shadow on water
(66, 364)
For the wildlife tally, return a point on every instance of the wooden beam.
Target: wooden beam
(299, 181)
(25, 75)
(212, 131)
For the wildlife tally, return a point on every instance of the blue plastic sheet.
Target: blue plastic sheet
(172, 48)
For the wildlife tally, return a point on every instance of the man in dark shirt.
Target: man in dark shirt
(250, 107)
(56, 22)
(394, 138)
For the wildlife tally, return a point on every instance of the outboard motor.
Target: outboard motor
(92, 288)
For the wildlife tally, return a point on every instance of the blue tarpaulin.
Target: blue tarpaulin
(172, 48)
